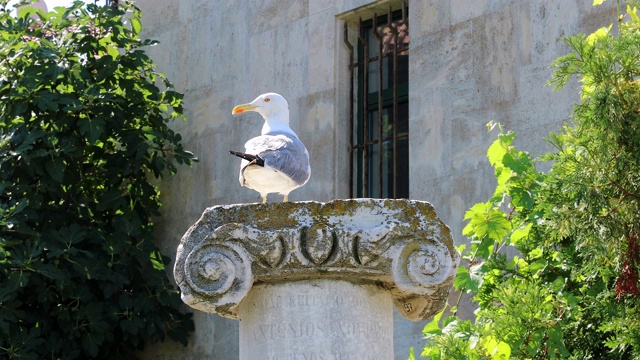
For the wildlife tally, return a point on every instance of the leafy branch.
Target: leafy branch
(568, 288)
(83, 128)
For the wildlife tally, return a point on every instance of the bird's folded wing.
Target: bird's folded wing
(282, 153)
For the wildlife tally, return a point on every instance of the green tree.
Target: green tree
(83, 130)
(572, 290)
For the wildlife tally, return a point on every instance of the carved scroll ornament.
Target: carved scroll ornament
(398, 244)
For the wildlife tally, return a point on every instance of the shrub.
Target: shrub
(83, 130)
(572, 290)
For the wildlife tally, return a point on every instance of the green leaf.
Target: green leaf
(507, 138)
(597, 35)
(461, 248)
(55, 168)
(633, 12)
(478, 273)
(484, 247)
(71, 235)
(486, 221)
(136, 26)
(90, 346)
(503, 177)
(412, 355)
(535, 253)
(432, 353)
(519, 234)
(519, 165)
(92, 129)
(157, 260)
(50, 270)
(112, 200)
(433, 327)
(128, 225)
(463, 280)
(93, 309)
(179, 335)
(598, 2)
(496, 153)
(501, 350)
(112, 51)
(536, 266)
(556, 340)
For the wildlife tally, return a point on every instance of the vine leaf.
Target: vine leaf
(485, 220)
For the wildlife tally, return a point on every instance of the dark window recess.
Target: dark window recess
(379, 115)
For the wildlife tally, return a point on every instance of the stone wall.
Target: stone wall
(470, 62)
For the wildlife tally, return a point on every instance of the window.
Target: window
(379, 116)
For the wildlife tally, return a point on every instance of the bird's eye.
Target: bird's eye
(267, 100)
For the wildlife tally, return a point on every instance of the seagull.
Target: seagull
(276, 161)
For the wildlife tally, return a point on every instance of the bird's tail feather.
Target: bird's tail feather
(249, 157)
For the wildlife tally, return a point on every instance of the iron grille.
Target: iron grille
(379, 114)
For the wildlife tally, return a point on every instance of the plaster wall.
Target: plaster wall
(470, 62)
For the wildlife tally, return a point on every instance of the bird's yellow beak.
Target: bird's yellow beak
(239, 109)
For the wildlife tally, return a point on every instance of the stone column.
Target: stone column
(316, 319)
(313, 280)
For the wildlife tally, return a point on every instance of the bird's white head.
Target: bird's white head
(273, 108)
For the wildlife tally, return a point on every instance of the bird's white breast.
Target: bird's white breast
(266, 180)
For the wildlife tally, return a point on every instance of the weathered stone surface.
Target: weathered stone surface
(399, 245)
(316, 319)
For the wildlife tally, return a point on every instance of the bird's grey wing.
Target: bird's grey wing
(283, 153)
(266, 143)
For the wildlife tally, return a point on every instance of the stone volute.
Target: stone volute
(292, 272)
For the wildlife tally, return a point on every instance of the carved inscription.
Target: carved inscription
(285, 330)
(309, 329)
(339, 330)
(306, 300)
(322, 355)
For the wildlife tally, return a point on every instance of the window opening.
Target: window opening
(379, 114)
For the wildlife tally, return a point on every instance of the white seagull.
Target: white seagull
(276, 161)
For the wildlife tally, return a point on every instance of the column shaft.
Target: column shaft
(321, 319)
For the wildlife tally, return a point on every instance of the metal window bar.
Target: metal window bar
(380, 82)
(360, 108)
(365, 109)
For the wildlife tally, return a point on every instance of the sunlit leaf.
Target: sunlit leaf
(633, 12)
(433, 327)
(496, 153)
(113, 51)
(135, 25)
(464, 281)
(519, 234)
(484, 220)
(159, 261)
(598, 34)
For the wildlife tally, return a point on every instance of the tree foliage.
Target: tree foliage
(83, 129)
(572, 290)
